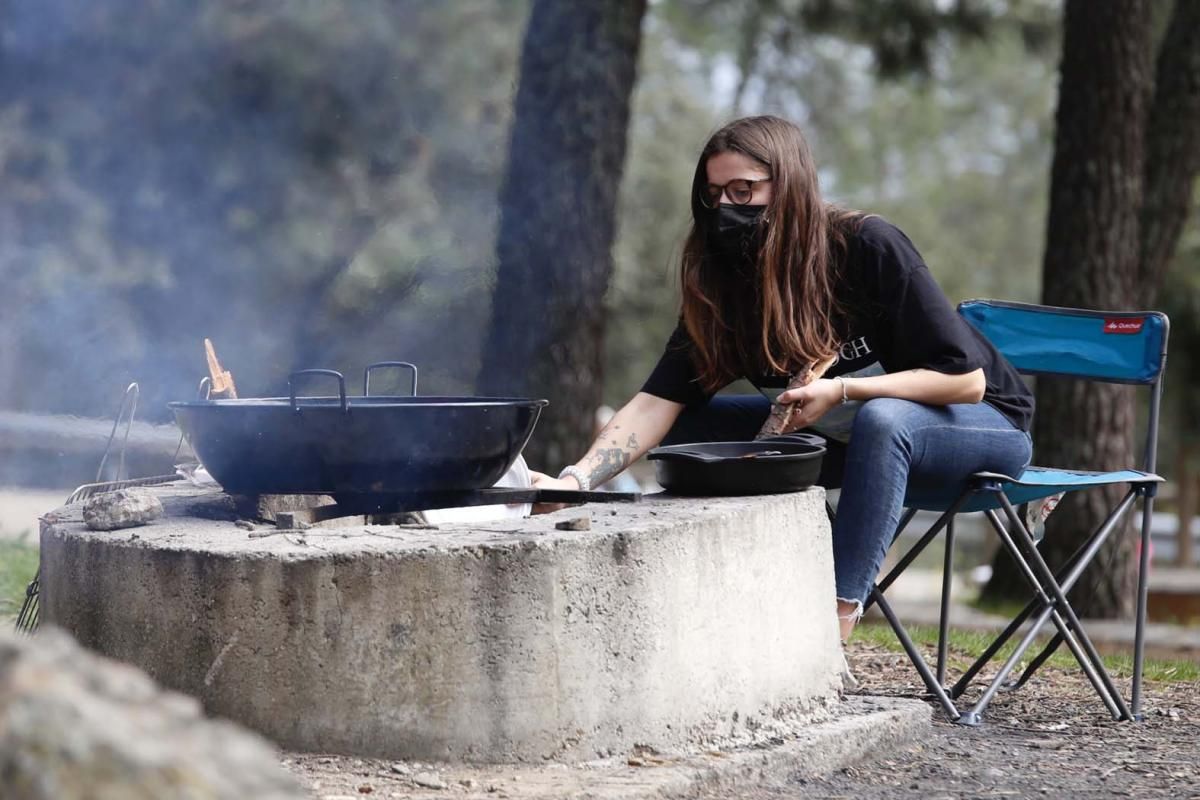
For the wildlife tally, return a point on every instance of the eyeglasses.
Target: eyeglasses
(739, 191)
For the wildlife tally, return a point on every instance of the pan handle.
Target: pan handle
(395, 364)
(330, 372)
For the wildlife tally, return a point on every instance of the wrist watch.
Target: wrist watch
(585, 485)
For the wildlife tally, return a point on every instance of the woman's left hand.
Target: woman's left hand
(811, 402)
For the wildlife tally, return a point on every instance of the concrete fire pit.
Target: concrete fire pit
(671, 622)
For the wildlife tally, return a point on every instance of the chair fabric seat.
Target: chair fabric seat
(1033, 484)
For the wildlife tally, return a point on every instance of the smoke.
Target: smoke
(308, 184)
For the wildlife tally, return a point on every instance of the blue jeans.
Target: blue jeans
(897, 448)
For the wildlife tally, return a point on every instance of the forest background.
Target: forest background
(315, 184)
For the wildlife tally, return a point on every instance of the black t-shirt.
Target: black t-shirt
(897, 319)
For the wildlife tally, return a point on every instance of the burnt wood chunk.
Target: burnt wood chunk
(781, 413)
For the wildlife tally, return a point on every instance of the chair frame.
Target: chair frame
(1049, 602)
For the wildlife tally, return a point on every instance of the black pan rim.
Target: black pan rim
(361, 402)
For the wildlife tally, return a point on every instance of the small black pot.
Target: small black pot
(769, 466)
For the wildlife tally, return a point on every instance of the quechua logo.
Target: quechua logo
(1127, 325)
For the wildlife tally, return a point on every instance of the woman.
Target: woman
(775, 279)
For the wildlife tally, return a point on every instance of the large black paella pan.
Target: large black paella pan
(346, 445)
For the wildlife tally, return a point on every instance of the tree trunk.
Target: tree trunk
(1172, 147)
(1186, 480)
(1091, 261)
(557, 223)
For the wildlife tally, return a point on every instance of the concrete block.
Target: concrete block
(673, 623)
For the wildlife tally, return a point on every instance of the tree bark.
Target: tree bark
(558, 216)
(1092, 261)
(1172, 147)
(1186, 480)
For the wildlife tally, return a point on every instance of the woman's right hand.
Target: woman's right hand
(543, 481)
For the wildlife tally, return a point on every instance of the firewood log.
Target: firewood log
(781, 413)
(222, 380)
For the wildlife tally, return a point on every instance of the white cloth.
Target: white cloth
(517, 477)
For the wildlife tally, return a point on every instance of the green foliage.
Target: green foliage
(967, 645)
(18, 565)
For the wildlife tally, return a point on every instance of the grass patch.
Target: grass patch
(967, 645)
(18, 565)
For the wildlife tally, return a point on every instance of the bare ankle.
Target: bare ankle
(848, 614)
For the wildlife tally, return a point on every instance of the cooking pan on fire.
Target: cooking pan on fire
(768, 466)
(346, 445)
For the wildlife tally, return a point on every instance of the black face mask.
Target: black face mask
(735, 233)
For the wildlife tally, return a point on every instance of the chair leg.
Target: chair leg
(914, 656)
(1069, 575)
(1139, 636)
(944, 615)
(1050, 649)
(975, 715)
(1064, 615)
(965, 680)
(1049, 611)
(917, 548)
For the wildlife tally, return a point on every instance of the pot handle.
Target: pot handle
(382, 364)
(332, 373)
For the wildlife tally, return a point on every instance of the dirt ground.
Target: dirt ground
(1052, 739)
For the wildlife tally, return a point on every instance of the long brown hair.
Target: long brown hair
(788, 317)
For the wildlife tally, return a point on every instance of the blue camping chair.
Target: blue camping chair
(1116, 347)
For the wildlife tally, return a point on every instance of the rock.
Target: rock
(575, 524)
(123, 508)
(401, 768)
(245, 525)
(74, 726)
(429, 780)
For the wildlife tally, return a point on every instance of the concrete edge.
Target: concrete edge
(865, 727)
(862, 728)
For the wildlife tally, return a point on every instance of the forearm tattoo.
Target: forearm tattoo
(610, 457)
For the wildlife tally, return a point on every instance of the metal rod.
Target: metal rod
(914, 656)
(1042, 657)
(909, 513)
(1066, 611)
(921, 544)
(1139, 636)
(1009, 664)
(944, 616)
(1107, 692)
(1069, 575)
(349, 505)
(131, 391)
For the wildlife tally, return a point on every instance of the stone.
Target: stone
(74, 726)
(429, 780)
(575, 524)
(123, 508)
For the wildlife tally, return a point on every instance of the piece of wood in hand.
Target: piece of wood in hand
(781, 413)
(222, 380)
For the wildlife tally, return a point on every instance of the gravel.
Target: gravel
(1051, 739)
